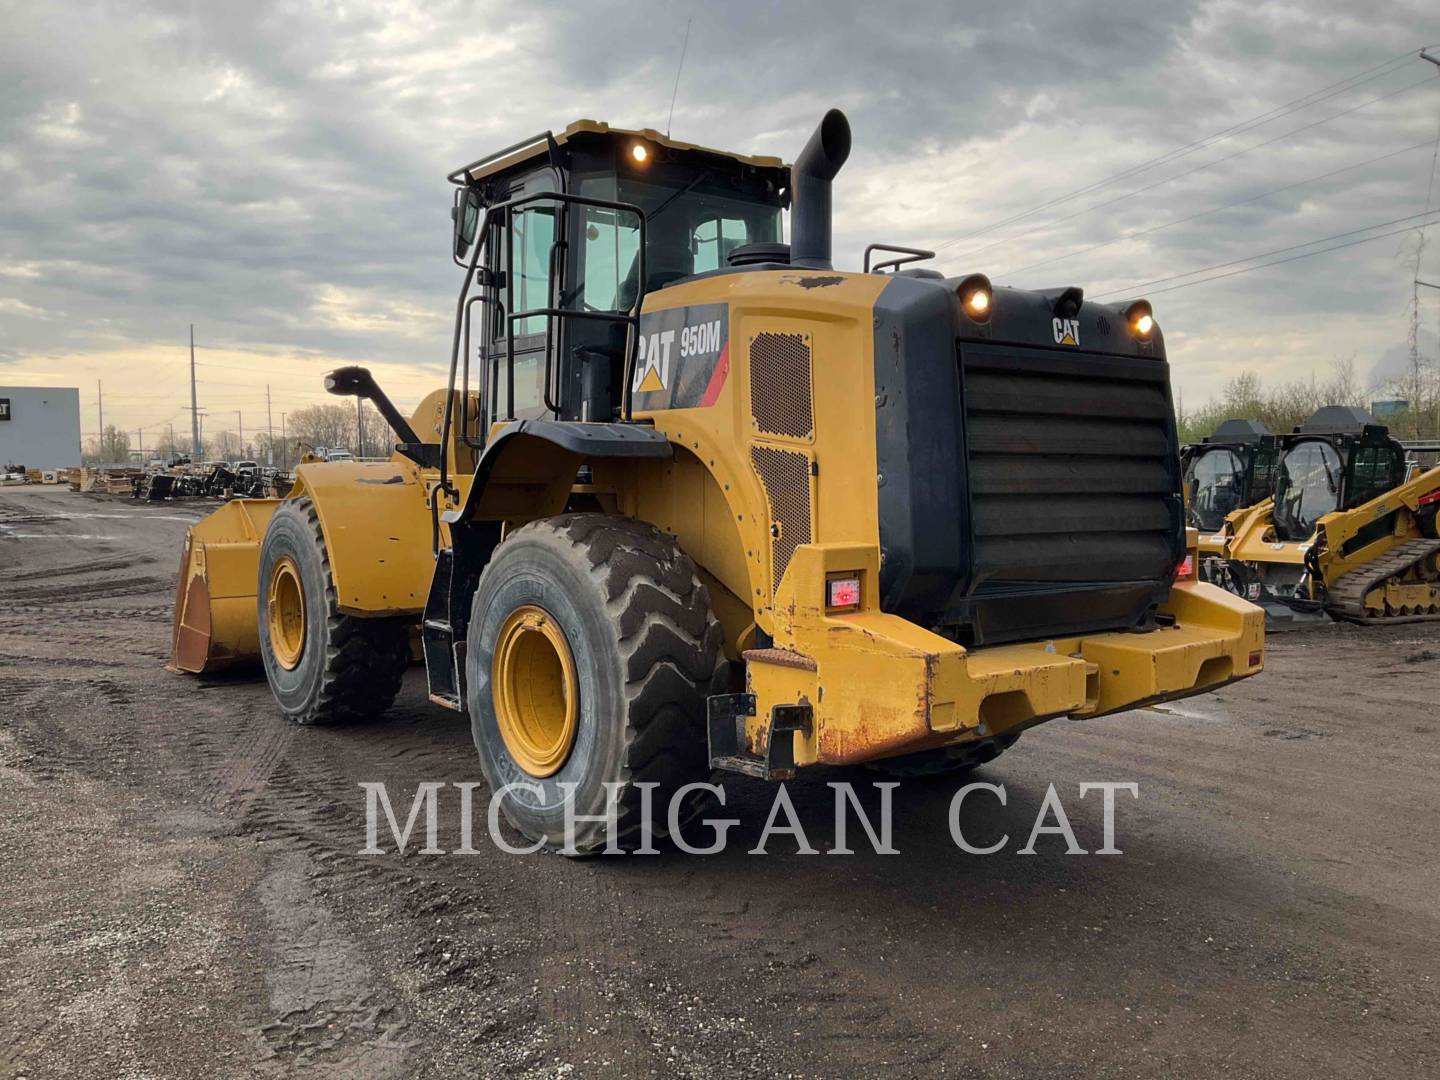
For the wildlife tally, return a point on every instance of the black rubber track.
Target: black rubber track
(364, 658)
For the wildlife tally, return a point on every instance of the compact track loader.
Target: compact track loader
(693, 499)
(1349, 530)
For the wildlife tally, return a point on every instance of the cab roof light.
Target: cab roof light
(976, 295)
(1140, 317)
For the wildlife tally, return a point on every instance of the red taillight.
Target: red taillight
(1430, 497)
(1255, 659)
(1186, 569)
(842, 592)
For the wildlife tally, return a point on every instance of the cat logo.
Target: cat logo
(1067, 331)
(652, 367)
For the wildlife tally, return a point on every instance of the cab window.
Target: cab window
(611, 240)
(1308, 488)
(1377, 469)
(534, 236)
(713, 241)
(1217, 487)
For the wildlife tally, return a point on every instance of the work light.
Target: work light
(975, 294)
(1141, 319)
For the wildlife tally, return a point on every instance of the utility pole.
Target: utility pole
(284, 446)
(100, 405)
(240, 422)
(359, 427)
(140, 442)
(269, 430)
(194, 404)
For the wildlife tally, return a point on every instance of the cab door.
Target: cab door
(536, 255)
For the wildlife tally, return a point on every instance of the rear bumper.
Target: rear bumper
(877, 686)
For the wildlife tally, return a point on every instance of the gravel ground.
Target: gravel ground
(183, 896)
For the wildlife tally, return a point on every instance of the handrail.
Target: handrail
(460, 339)
(462, 174)
(914, 255)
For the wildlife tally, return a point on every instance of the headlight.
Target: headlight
(975, 295)
(1141, 319)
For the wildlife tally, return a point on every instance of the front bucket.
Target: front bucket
(215, 622)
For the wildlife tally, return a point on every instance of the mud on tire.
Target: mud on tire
(645, 646)
(350, 669)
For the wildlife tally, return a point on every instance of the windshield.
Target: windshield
(1217, 483)
(691, 227)
(1308, 488)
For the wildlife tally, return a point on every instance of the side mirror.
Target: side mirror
(350, 382)
(466, 216)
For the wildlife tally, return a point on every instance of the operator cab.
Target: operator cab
(1338, 459)
(574, 240)
(1231, 469)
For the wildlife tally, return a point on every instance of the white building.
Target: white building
(40, 426)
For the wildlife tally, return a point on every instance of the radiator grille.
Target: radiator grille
(785, 475)
(1071, 465)
(780, 385)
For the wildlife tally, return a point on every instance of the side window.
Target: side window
(713, 241)
(534, 235)
(1377, 470)
(612, 240)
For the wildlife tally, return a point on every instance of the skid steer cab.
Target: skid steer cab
(694, 499)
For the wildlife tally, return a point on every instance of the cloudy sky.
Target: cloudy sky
(275, 172)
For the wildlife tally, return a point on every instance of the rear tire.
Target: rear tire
(946, 761)
(323, 666)
(640, 648)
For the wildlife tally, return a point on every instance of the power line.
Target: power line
(1145, 285)
(1324, 93)
(1213, 210)
(1278, 262)
(1191, 171)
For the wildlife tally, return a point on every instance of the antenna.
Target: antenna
(678, 69)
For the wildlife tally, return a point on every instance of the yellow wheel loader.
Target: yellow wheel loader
(694, 499)
(1349, 532)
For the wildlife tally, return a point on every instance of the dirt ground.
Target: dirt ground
(182, 893)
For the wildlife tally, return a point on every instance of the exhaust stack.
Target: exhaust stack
(810, 178)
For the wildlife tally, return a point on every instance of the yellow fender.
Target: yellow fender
(378, 533)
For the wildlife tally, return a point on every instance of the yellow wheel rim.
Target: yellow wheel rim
(536, 694)
(285, 613)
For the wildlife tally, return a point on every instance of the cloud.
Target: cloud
(274, 172)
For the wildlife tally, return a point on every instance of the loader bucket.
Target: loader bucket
(215, 621)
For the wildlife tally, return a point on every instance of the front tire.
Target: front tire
(323, 666)
(591, 650)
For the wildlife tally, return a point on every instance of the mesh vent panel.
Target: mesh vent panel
(780, 397)
(786, 476)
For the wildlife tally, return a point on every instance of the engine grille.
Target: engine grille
(1072, 468)
(786, 477)
(780, 385)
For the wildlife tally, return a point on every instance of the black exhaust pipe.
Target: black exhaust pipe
(810, 178)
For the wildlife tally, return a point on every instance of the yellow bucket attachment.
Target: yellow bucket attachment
(215, 621)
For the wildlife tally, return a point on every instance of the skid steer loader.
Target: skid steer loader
(1230, 469)
(694, 499)
(1349, 530)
